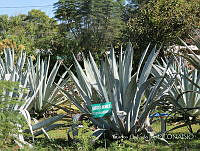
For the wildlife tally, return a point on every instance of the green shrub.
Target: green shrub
(10, 119)
(85, 138)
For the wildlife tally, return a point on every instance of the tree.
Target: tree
(30, 32)
(161, 21)
(91, 25)
(41, 28)
(3, 25)
(12, 32)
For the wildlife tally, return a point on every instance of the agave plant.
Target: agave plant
(38, 85)
(48, 91)
(8, 65)
(12, 70)
(24, 71)
(113, 82)
(23, 101)
(185, 90)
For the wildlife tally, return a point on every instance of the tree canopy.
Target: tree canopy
(30, 32)
(161, 21)
(93, 24)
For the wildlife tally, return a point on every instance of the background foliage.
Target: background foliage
(93, 25)
(27, 32)
(160, 22)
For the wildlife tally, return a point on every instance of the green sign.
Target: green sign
(102, 109)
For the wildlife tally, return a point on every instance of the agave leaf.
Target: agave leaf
(83, 82)
(9, 59)
(54, 94)
(121, 72)
(98, 133)
(148, 65)
(30, 101)
(158, 85)
(115, 78)
(127, 64)
(46, 70)
(113, 63)
(49, 128)
(82, 93)
(110, 84)
(74, 101)
(51, 77)
(21, 61)
(192, 58)
(197, 42)
(141, 61)
(48, 121)
(26, 114)
(97, 76)
(2, 67)
(90, 73)
(53, 73)
(130, 93)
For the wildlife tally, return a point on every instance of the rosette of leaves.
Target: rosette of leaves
(114, 82)
(185, 89)
(38, 85)
(47, 91)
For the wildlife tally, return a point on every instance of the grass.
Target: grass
(140, 144)
(83, 141)
(59, 141)
(157, 127)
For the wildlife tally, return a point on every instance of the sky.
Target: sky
(16, 7)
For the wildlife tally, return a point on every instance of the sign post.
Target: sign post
(102, 109)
